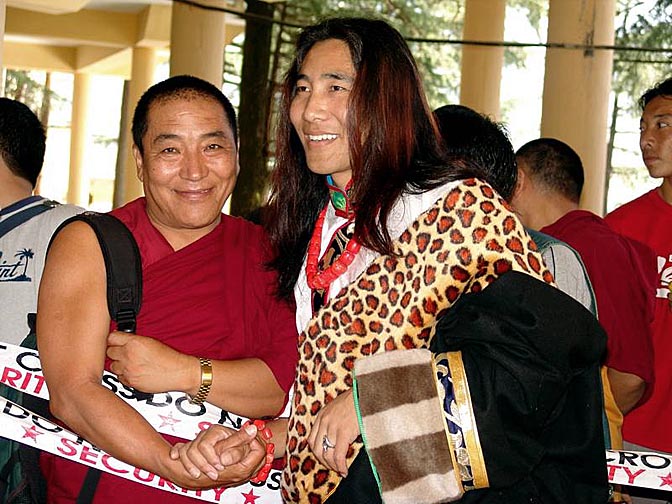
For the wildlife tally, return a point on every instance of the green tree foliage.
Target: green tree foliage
(419, 20)
(22, 86)
(253, 110)
(535, 11)
(647, 25)
(644, 24)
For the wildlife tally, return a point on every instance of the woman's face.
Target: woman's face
(319, 108)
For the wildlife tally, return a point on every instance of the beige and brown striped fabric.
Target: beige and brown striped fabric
(404, 428)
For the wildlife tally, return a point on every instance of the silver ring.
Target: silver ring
(326, 444)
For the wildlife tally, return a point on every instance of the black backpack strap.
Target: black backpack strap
(122, 264)
(24, 215)
(88, 490)
(6, 470)
(123, 267)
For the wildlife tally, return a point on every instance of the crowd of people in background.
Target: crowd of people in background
(432, 310)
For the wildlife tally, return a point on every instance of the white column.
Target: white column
(577, 84)
(78, 185)
(197, 40)
(142, 77)
(481, 73)
(3, 7)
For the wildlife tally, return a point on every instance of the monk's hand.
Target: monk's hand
(226, 456)
(147, 364)
(333, 431)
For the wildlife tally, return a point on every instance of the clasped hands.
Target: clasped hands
(219, 449)
(224, 455)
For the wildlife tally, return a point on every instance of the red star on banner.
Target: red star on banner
(250, 497)
(667, 480)
(31, 433)
(169, 420)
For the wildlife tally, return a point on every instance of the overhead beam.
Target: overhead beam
(49, 6)
(154, 26)
(88, 27)
(39, 57)
(104, 61)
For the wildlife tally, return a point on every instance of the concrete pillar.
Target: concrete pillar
(78, 184)
(3, 7)
(576, 87)
(142, 77)
(197, 39)
(482, 65)
(120, 171)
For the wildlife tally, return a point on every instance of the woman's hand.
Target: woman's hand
(226, 456)
(336, 425)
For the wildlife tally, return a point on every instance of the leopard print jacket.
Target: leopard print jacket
(461, 244)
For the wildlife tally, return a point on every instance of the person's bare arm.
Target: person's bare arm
(72, 328)
(627, 388)
(245, 387)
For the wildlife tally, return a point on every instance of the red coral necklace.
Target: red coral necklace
(320, 280)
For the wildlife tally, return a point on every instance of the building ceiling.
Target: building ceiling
(69, 6)
(122, 5)
(95, 36)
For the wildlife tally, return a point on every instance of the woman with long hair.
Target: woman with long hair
(388, 249)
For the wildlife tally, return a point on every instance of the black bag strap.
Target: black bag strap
(122, 265)
(6, 470)
(25, 215)
(88, 490)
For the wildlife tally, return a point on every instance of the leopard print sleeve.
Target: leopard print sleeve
(461, 244)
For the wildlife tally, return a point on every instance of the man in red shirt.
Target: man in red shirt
(550, 180)
(648, 219)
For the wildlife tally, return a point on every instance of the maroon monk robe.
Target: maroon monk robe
(213, 298)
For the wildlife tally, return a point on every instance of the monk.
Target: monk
(209, 325)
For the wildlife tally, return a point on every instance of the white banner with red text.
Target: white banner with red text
(640, 469)
(169, 413)
(21, 425)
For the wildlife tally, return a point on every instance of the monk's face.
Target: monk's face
(189, 166)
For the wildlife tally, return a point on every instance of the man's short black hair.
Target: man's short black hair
(179, 86)
(22, 140)
(475, 137)
(663, 88)
(555, 165)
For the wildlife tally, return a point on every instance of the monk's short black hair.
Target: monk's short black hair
(178, 86)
